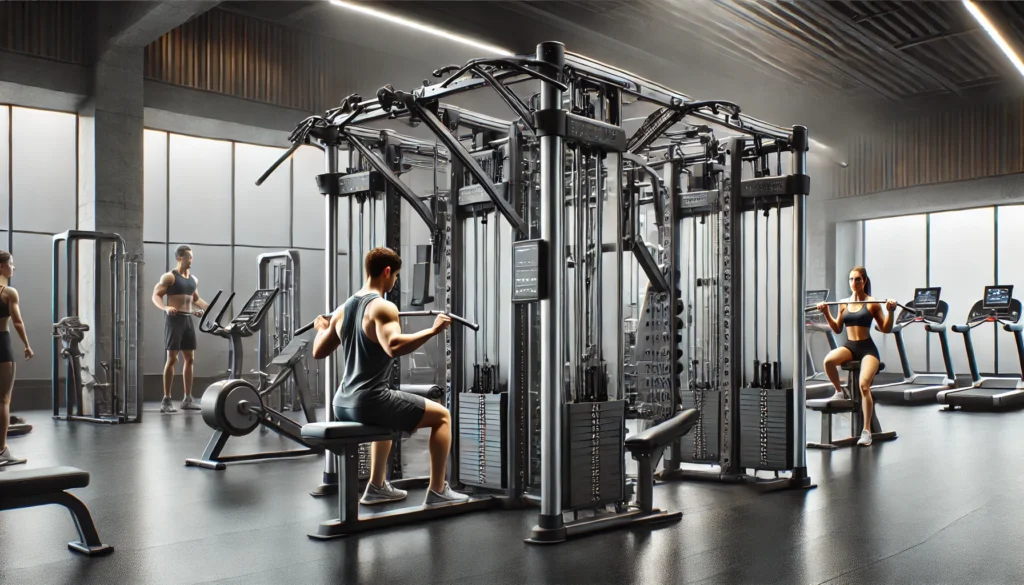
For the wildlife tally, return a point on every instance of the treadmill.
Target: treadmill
(998, 306)
(919, 388)
(817, 384)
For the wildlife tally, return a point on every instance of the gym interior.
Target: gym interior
(711, 292)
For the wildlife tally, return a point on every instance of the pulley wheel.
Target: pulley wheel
(221, 410)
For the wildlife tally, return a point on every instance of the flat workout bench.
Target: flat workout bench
(38, 487)
(829, 407)
(343, 439)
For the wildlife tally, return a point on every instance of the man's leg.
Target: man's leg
(172, 360)
(379, 451)
(439, 421)
(187, 359)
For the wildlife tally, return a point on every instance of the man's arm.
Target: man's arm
(196, 299)
(327, 337)
(389, 330)
(161, 290)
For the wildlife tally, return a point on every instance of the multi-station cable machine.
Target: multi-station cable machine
(562, 188)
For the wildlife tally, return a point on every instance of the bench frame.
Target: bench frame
(88, 542)
(853, 405)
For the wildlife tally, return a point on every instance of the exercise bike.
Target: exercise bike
(234, 407)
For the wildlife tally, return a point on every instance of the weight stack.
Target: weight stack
(482, 439)
(766, 441)
(703, 444)
(593, 456)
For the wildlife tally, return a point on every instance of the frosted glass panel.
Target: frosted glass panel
(212, 267)
(962, 263)
(44, 172)
(34, 254)
(152, 318)
(895, 255)
(1011, 271)
(200, 190)
(308, 216)
(154, 226)
(262, 214)
(5, 160)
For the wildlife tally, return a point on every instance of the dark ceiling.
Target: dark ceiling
(892, 51)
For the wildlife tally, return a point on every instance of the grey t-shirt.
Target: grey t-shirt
(367, 368)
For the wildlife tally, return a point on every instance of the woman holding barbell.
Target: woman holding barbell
(856, 315)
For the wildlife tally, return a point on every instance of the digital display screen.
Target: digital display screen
(926, 299)
(998, 297)
(255, 303)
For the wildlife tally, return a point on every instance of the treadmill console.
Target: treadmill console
(256, 307)
(998, 297)
(997, 304)
(926, 305)
(811, 299)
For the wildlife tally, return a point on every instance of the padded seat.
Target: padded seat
(44, 480)
(854, 365)
(661, 435)
(328, 434)
(428, 391)
(27, 488)
(831, 406)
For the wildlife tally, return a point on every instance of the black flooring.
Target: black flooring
(939, 505)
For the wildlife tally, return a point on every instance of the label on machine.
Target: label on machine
(529, 271)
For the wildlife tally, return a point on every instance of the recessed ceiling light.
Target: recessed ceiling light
(426, 28)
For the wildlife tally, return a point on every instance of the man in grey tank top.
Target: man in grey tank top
(368, 330)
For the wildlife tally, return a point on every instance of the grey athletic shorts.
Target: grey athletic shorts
(392, 409)
(179, 332)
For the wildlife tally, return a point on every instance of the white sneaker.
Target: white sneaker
(865, 439)
(447, 496)
(382, 495)
(7, 459)
(838, 396)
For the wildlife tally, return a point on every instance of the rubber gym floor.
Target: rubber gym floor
(940, 504)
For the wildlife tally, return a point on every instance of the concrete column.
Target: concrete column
(110, 189)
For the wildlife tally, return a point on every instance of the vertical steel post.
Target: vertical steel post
(800, 145)
(331, 377)
(550, 527)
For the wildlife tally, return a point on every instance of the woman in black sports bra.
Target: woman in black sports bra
(856, 315)
(10, 312)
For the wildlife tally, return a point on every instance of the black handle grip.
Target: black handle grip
(454, 317)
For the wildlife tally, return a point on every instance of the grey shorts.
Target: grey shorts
(179, 333)
(392, 409)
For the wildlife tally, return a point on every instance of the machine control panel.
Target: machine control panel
(256, 307)
(529, 271)
(811, 299)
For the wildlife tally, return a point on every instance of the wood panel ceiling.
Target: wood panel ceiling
(895, 52)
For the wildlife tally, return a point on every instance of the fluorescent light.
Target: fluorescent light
(992, 32)
(362, 8)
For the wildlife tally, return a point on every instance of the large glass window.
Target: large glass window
(1010, 270)
(200, 190)
(44, 173)
(962, 262)
(896, 258)
(262, 214)
(154, 226)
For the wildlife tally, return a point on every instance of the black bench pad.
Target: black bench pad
(854, 365)
(831, 406)
(343, 432)
(30, 482)
(662, 434)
